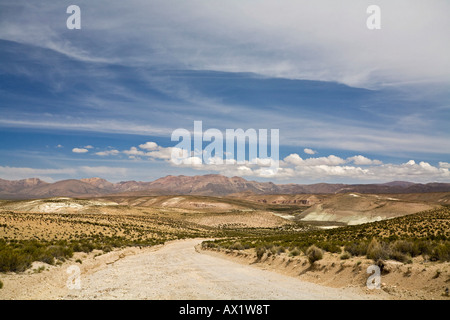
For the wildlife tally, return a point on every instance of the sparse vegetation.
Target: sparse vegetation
(295, 252)
(17, 256)
(377, 250)
(53, 237)
(260, 252)
(39, 270)
(345, 256)
(426, 233)
(314, 254)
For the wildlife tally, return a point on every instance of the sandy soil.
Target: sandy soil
(420, 280)
(176, 270)
(51, 283)
(258, 219)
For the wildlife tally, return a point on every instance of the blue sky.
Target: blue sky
(352, 105)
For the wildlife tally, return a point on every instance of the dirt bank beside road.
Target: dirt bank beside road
(173, 271)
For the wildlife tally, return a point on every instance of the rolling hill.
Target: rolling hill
(211, 185)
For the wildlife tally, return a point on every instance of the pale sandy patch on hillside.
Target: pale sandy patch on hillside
(258, 219)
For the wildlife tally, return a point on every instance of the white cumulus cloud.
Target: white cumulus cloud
(309, 151)
(444, 165)
(361, 160)
(80, 150)
(108, 153)
(134, 152)
(148, 146)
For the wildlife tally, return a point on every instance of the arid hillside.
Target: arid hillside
(41, 234)
(206, 185)
(349, 208)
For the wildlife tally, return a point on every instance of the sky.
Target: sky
(351, 104)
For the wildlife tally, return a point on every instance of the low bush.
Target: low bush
(399, 256)
(330, 247)
(441, 252)
(236, 246)
(295, 252)
(345, 256)
(356, 249)
(17, 256)
(260, 252)
(377, 250)
(314, 254)
(280, 249)
(405, 247)
(12, 260)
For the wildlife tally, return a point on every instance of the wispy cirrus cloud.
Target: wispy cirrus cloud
(145, 68)
(272, 38)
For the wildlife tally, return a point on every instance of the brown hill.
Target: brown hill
(65, 188)
(210, 184)
(8, 189)
(100, 183)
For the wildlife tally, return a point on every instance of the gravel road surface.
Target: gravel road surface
(178, 271)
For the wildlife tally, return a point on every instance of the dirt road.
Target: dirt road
(178, 271)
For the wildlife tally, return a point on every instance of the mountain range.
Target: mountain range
(210, 184)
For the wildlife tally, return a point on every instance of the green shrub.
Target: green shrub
(46, 257)
(295, 252)
(314, 254)
(377, 251)
(60, 252)
(39, 270)
(356, 249)
(399, 256)
(12, 260)
(107, 248)
(441, 252)
(84, 246)
(345, 256)
(1, 284)
(280, 249)
(330, 247)
(423, 247)
(205, 244)
(260, 252)
(405, 247)
(236, 246)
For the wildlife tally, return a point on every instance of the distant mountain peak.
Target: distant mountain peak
(32, 181)
(399, 184)
(209, 184)
(95, 179)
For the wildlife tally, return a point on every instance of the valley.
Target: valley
(405, 233)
